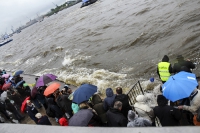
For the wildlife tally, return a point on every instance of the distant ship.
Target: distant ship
(5, 41)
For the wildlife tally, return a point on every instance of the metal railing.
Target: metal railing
(134, 92)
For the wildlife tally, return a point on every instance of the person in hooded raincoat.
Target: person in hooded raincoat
(143, 109)
(109, 100)
(164, 69)
(135, 121)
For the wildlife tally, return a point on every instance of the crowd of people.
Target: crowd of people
(113, 111)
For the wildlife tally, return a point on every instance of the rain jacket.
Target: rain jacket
(194, 104)
(109, 100)
(168, 115)
(116, 118)
(138, 121)
(98, 107)
(164, 68)
(142, 108)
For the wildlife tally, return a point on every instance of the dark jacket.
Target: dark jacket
(64, 103)
(9, 106)
(125, 103)
(181, 62)
(54, 108)
(168, 115)
(44, 121)
(109, 100)
(98, 107)
(116, 118)
(31, 111)
(17, 99)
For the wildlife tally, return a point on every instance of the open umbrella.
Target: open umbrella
(6, 86)
(5, 76)
(19, 83)
(84, 92)
(51, 88)
(18, 73)
(45, 79)
(179, 86)
(81, 118)
(33, 91)
(23, 107)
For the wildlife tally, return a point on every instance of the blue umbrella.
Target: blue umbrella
(179, 86)
(18, 73)
(19, 83)
(83, 93)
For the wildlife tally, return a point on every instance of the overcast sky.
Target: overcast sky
(18, 12)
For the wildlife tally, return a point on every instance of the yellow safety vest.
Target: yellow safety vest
(163, 68)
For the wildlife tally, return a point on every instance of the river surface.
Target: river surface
(110, 43)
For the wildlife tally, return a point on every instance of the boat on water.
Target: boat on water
(5, 41)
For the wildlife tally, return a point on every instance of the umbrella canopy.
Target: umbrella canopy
(6, 86)
(18, 73)
(23, 107)
(51, 88)
(179, 86)
(33, 91)
(45, 79)
(81, 118)
(5, 76)
(19, 83)
(84, 92)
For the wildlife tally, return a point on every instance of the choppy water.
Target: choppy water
(110, 43)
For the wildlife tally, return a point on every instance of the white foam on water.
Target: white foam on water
(32, 61)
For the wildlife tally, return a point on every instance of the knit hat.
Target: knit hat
(141, 98)
(38, 115)
(131, 115)
(63, 121)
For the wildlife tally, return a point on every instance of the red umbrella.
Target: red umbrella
(23, 107)
(51, 88)
(6, 86)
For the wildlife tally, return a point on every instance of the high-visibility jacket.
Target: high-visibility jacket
(163, 68)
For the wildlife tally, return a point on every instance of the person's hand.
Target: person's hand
(180, 107)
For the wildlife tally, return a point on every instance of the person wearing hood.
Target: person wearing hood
(143, 109)
(98, 107)
(124, 99)
(135, 121)
(115, 117)
(109, 100)
(164, 69)
(168, 115)
(181, 62)
(42, 119)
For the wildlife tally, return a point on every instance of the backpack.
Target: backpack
(49, 112)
